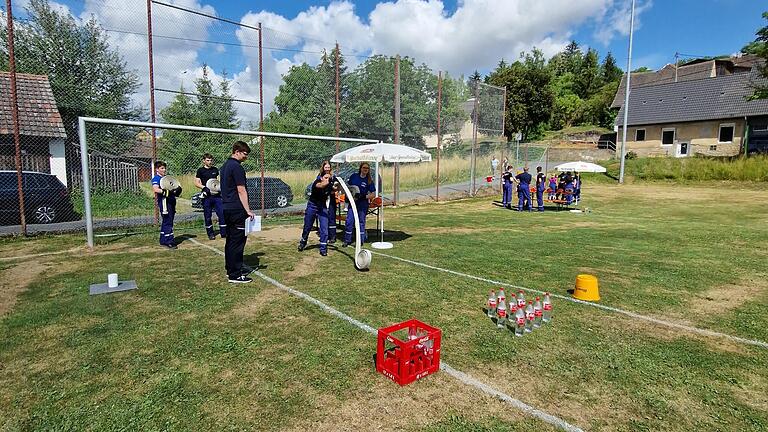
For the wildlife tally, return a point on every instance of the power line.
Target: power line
(206, 96)
(206, 15)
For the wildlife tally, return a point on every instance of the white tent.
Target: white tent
(381, 152)
(580, 166)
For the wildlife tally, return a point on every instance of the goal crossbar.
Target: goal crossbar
(82, 121)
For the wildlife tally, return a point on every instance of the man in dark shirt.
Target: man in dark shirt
(524, 190)
(506, 197)
(234, 198)
(541, 185)
(211, 201)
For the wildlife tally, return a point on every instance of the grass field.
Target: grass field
(187, 351)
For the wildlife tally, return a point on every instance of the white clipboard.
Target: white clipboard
(252, 225)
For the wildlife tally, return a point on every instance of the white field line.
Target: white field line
(461, 376)
(691, 329)
(42, 254)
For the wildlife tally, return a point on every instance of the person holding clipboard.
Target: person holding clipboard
(234, 197)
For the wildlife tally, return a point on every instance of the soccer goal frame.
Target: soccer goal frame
(83, 121)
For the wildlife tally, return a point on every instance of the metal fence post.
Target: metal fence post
(86, 181)
(15, 116)
(439, 138)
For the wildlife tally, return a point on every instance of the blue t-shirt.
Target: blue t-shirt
(156, 181)
(524, 177)
(362, 183)
(232, 175)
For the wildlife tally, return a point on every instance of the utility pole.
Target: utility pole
(626, 95)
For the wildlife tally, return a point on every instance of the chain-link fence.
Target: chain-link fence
(165, 62)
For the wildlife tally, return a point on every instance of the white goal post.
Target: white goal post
(83, 121)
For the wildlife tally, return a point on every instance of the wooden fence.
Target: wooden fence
(107, 173)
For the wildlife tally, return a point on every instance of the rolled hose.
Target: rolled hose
(362, 256)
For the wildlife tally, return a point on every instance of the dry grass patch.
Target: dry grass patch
(722, 299)
(280, 234)
(387, 406)
(16, 279)
(306, 266)
(257, 304)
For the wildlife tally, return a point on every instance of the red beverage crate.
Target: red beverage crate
(413, 351)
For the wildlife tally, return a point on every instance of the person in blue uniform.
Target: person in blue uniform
(367, 188)
(211, 202)
(524, 190)
(317, 207)
(166, 202)
(234, 200)
(506, 194)
(568, 188)
(541, 186)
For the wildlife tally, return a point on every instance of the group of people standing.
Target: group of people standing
(565, 187)
(230, 205)
(321, 206)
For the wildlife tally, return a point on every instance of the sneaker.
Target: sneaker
(324, 253)
(241, 279)
(211, 237)
(302, 246)
(331, 241)
(171, 246)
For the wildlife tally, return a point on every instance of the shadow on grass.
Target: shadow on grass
(253, 261)
(181, 239)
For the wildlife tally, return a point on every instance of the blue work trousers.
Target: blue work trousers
(332, 219)
(349, 226)
(211, 204)
(320, 213)
(523, 195)
(540, 197)
(506, 196)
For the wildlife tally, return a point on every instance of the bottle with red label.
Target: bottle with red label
(519, 321)
(501, 314)
(546, 308)
(491, 304)
(520, 300)
(529, 317)
(501, 295)
(537, 312)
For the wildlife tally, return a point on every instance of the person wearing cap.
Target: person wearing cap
(234, 200)
(166, 202)
(541, 185)
(366, 188)
(506, 196)
(317, 207)
(211, 202)
(524, 190)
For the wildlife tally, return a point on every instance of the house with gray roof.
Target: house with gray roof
(40, 126)
(708, 116)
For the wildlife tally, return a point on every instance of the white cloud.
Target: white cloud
(618, 20)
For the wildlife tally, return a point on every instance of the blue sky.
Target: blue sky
(457, 36)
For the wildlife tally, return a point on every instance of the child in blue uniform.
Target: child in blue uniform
(506, 197)
(211, 202)
(362, 179)
(166, 202)
(318, 205)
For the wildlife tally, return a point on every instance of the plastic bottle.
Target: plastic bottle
(537, 312)
(529, 317)
(547, 308)
(520, 300)
(501, 295)
(519, 322)
(491, 304)
(501, 314)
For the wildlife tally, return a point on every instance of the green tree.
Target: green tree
(87, 76)
(530, 98)
(209, 107)
(759, 47)
(588, 76)
(609, 71)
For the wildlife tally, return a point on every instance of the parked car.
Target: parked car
(277, 193)
(46, 199)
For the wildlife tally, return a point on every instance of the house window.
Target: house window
(726, 133)
(640, 135)
(667, 136)
(713, 148)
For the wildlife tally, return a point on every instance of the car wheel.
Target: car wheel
(282, 200)
(44, 214)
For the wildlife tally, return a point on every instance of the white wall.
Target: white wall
(58, 160)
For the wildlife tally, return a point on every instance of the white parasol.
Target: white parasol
(381, 152)
(580, 166)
